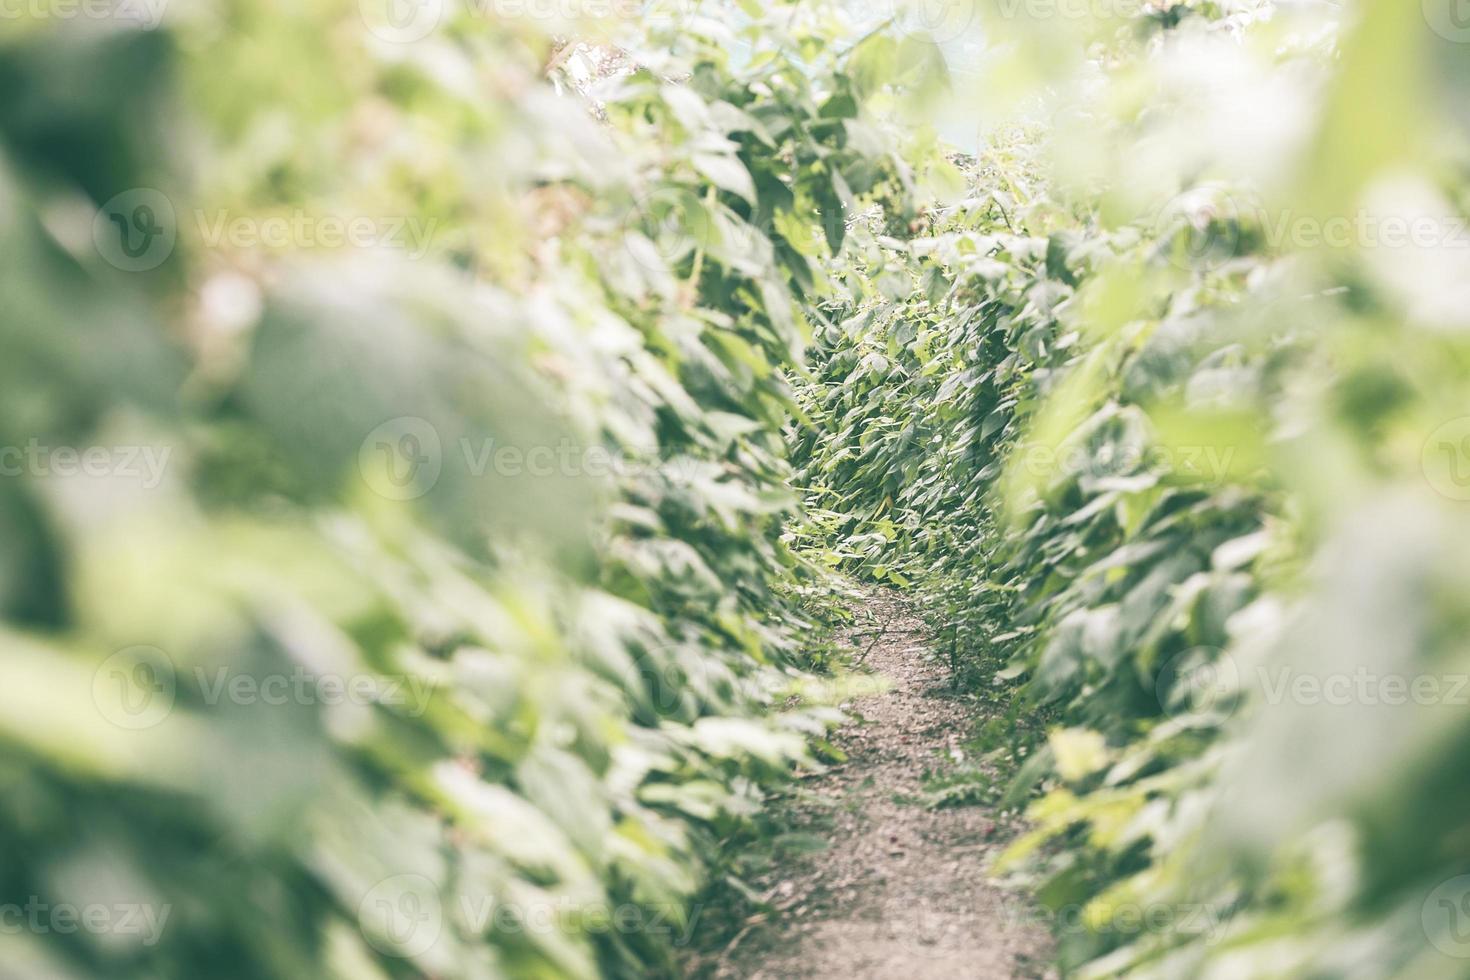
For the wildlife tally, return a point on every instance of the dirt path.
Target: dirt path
(901, 889)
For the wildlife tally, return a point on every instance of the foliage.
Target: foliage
(517, 469)
(1129, 418)
(403, 572)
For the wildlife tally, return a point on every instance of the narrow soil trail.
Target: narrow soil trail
(900, 890)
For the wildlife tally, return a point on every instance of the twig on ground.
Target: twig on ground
(881, 633)
(750, 924)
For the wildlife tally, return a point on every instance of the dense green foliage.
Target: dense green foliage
(513, 475)
(1184, 471)
(403, 571)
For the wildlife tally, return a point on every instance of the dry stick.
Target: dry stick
(881, 633)
(858, 633)
(1004, 215)
(756, 920)
(750, 924)
(558, 56)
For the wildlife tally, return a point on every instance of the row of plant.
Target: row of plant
(393, 581)
(1184, 470)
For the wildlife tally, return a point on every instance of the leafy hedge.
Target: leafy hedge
(1155, 447)
(442, 633)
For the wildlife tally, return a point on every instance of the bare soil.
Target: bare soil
(900, 889)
